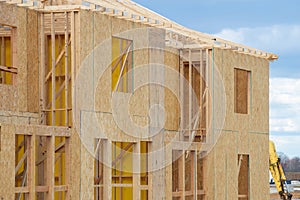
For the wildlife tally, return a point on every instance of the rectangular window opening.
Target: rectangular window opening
(8, 52)
(122, 170)
(122, 65)
(243, 177)
(241, 91)
(98, 169)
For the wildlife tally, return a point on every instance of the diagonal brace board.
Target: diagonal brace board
(122, 69)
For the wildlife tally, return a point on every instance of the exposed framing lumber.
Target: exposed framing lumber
(190, 95)
(207, 103)
(58, 94)
(53, 85)
(50, 167)
(66, 70)
(2, 59)
(31, 166)
(14, 56)
(12, 70)
(59, 58)
(107, 172)
(121, 56)
(21, 161)
(122, 68)
(123, 152)
(136, 167)
(181, 89)
(42, 68)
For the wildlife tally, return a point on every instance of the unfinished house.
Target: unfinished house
(105, 99)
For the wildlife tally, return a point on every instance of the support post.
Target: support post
(181, 79)
(53, 107)
(31, 166)
(66, 70)
(42, 70)
(136, 167)
(50, 167)
(107, 187)
(190, 95)
(67, 167)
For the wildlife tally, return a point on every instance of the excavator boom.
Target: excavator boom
(278, 173)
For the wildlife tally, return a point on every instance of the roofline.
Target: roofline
(129, 10)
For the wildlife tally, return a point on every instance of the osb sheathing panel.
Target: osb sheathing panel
(9, 97)
(22, 50)
(221, 168)
(33, 64)
(87, 25)
(7, 162)
(87, 174)
(259, 162)
(11, 18)
(99, 33)
(171, 103)
(103, 37)
(258, 117)
(12, 117)
(15, 96)
(75, 165)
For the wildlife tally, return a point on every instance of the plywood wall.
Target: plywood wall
(7, 162)
(242, 133)
(16, 96)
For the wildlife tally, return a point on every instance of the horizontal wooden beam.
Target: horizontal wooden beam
(12, 70)
(21, 189)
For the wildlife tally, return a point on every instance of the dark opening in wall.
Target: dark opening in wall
(241, 90)
(243, 177)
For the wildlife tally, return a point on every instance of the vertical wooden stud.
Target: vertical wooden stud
(190, 95)
(136, 167)
(53, 107)
(50, 167)
(66, 70)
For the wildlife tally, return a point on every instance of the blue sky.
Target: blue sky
(264, 24)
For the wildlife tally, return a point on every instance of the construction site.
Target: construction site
(106, 99)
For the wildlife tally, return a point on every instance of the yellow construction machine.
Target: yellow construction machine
(278, 173)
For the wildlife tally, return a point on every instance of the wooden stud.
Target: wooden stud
(136, 167)
(150, 174)
(67, 167)
(190, 95)
(107, 182)
(207, 104)
(31, 166)
(181, 177)
(53, 86)
(2, 59)
(66, 71)
(14, 55)
(42, 69)
(201, 91)
(181, 79)
(50, 167)
(73, 54)
(59, 58)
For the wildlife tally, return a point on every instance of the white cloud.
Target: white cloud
(285, 105)
(277, 38)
